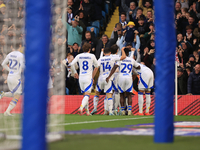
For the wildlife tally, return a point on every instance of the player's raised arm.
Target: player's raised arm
(111, 72)
(5, 64)
(101, 55)
(132, 52)
(123, 54)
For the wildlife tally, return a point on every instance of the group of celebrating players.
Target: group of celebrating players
(117, 71)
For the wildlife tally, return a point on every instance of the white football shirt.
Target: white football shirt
(126, 66)
(86, 62)
(15, 60)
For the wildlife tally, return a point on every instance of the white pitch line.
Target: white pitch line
(85, 122)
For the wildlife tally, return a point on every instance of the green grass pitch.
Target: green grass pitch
(118, 142)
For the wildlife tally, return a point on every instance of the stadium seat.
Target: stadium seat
(96, 30)
(106, 5)
(95, 24)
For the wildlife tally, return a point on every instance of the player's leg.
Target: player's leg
(128, 94)
(96, 97)
(110, 103)
(11, 105)
(15, 86)
(148, 101)
(50, 89)
(117, 102)
(86, 86)
(95, 102)
(108, 90)
(122, 100)
(106, 111)
(140, 102)
(87, 109)
(147, 92)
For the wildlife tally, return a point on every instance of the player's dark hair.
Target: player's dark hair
(114, 49)
(106, 50)
(126, 50)
(86, 47)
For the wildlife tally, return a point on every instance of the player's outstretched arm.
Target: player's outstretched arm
(123, 54)
(111, 72)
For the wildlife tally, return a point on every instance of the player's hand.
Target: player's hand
(102, 49)
(107, 79)
(93, 49)
(76, 75)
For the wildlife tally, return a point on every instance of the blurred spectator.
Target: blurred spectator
(58, 14)
(126, 2)
(130, 11)
(105, 42)
(83, 18)
(97, 9)
(177, 8)
(74, 31)
(147, 35)
(196, 55)
(59, 30)
(182, 81)
(184, 3)
(139, 14)
(196, 31)
(87, 7)
(3, 17)
(147, 7)
(194, 81)
(74, 50)
(130, 33)
(123, 20)
(179, 39)
(90, 38)
(191, 62)
(70, 15)
(149, 19)
(146, 57)
(3, 81)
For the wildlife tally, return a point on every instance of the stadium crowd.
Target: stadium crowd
(82, 21)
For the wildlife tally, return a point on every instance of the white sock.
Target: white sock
(148, 102)
(113, 98)
(110, 104)
(12, 105)
(117, 100)
(140, 102)
(95, 101)
(84, 101)
(105, 104)
(8, 94)
(87, 107)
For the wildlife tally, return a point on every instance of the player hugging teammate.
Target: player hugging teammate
(115, 79)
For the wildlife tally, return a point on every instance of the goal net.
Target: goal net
(12, 38)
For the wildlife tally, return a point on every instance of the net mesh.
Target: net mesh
(12, 37)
